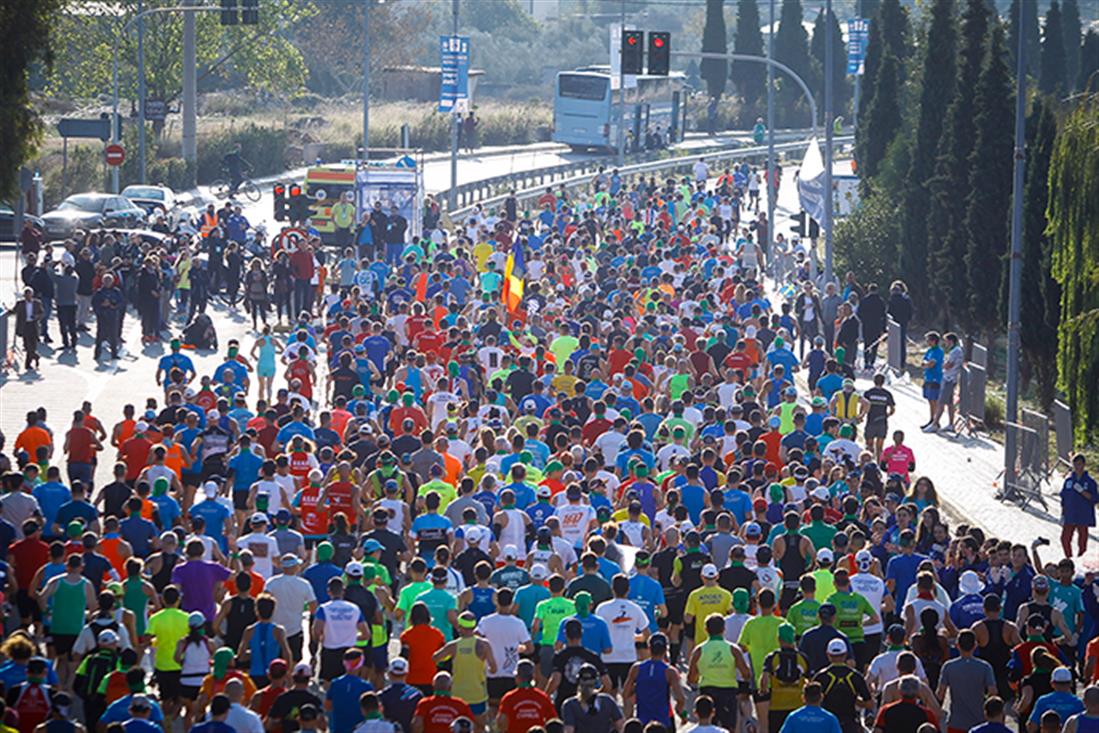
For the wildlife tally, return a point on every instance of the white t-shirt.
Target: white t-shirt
(341, 623)
(438, 402)
(490, 357)
(292, 593)
(883, 669)
(504, 634)
(625, 620)
(264, 548)
(610, 443)
(575, 519)
(872, 588)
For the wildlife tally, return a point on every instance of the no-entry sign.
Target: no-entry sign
(114, 154)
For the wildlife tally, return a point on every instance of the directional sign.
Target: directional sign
(95, 128)
(454, 65)
(114, 154)
(858, 36)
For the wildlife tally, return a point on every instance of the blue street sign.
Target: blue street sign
(858, 36)
(454, 64)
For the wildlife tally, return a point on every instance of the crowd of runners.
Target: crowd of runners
(578, 469)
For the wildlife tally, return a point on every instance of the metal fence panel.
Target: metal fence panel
(963, 393)
(979, 355)
(894, 345)
(1039, 423)
(977, 382)
(1062, 427)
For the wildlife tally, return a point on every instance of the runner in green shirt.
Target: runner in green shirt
(759, 637)
(441, 603)
(819, 532)
(852, 609)
(803, 614)
(417, 586)
(549, 614)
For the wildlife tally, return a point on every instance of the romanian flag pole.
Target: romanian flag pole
(514, 273)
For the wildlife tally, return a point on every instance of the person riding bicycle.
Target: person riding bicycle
(237, 168)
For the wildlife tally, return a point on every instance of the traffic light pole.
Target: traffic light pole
(366, 80)
(771, 135)
(455, 122)
(727, 57)
(620, 144)
(828, 128)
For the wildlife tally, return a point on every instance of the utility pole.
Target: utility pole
(456, 121)
(366, 80)
(621, 88)
(771, 131)
(141, 93)
(190, 102)
(1015, 281)
(829, 115)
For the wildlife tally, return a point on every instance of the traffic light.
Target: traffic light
(249, 12)
(228, 12)
(632, 52)
(814, 228)
(660, 49)
(299, 204)
(799, 224)
(280, 202)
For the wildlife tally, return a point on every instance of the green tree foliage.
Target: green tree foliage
(1074, 229)
(888, 33)
(792, 49)
(27, 27)
(1041, 294)
(936, 91)
(946, 239)
(714, 71)
(867, 8)
(1089, 62)
(261, 56)
(1073, 35)
(989, 191)
(1032, 38)
(865, 240)
(750, 79)
(884, 119)
(841, 90)
(1052, 77)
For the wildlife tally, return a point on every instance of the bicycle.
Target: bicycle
(222, 189)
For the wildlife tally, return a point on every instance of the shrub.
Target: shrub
(263, 147)
(994, 412)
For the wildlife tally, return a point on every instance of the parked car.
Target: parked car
(151, 198)
(89, 211)
(7, 223)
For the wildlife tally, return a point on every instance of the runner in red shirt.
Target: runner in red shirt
(302, 370)
(135, 453)
(526, 706)
(27, 555)
(436, 712)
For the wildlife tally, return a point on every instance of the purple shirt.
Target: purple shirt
(196, 580)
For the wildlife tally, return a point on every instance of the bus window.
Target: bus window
(576, 86)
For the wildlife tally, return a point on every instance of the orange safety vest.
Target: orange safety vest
(209, 221)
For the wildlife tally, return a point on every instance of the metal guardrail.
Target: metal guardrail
(531, 184)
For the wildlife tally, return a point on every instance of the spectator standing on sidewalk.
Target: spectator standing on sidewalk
(1079, 495)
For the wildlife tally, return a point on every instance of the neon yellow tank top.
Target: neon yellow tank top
(678, 384)
(469, 673)
(786, 417)
(716, 666)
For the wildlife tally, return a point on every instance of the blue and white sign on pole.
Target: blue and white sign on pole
(858, 36)
(454, 63)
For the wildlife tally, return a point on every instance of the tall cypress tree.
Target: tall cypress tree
(1073, 34)
(1051, 78)
(1041, 295)
(1089, 61)
(888, 32)
(946, 239)
(884, 120)
(936, 91)
(750, 79)
(990, 178)
(1032, 38)
(714, 71)
(867, 8)
(792, 49)
(840, 87)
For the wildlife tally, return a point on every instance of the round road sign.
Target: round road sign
(114, 154)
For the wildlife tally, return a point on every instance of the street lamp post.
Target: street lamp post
(829, 115)
(771, 131)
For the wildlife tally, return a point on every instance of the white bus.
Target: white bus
(583, 106)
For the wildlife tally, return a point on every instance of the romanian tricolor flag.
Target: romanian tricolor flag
(515, 270)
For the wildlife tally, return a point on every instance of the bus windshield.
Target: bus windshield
(583, 86)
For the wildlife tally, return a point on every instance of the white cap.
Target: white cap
(539, 572)
(543, 492)
(141, 426)
(709, 570)
(259, 517)
(213, 415)
(398, 666)
(353, 569)
(837, 646)
(821, 493)
(473, 535)
(864, 560)
(108, 636)
(511, 552)
(970, 583)
(301, 668)
(1061, 674)
(211, 488)
(824, 555)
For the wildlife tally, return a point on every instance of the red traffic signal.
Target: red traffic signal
(295, 191)
(658, 42)
(632, 51)
(660, 53)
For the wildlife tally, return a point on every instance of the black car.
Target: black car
(7, 223)
(91, 211)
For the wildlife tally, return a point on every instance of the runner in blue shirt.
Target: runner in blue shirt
(342, 699)
(811, 717)
(646, 591)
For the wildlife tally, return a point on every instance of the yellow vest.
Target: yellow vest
(844, 406)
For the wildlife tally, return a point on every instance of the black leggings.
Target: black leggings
(282, 303)
(258, 309)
